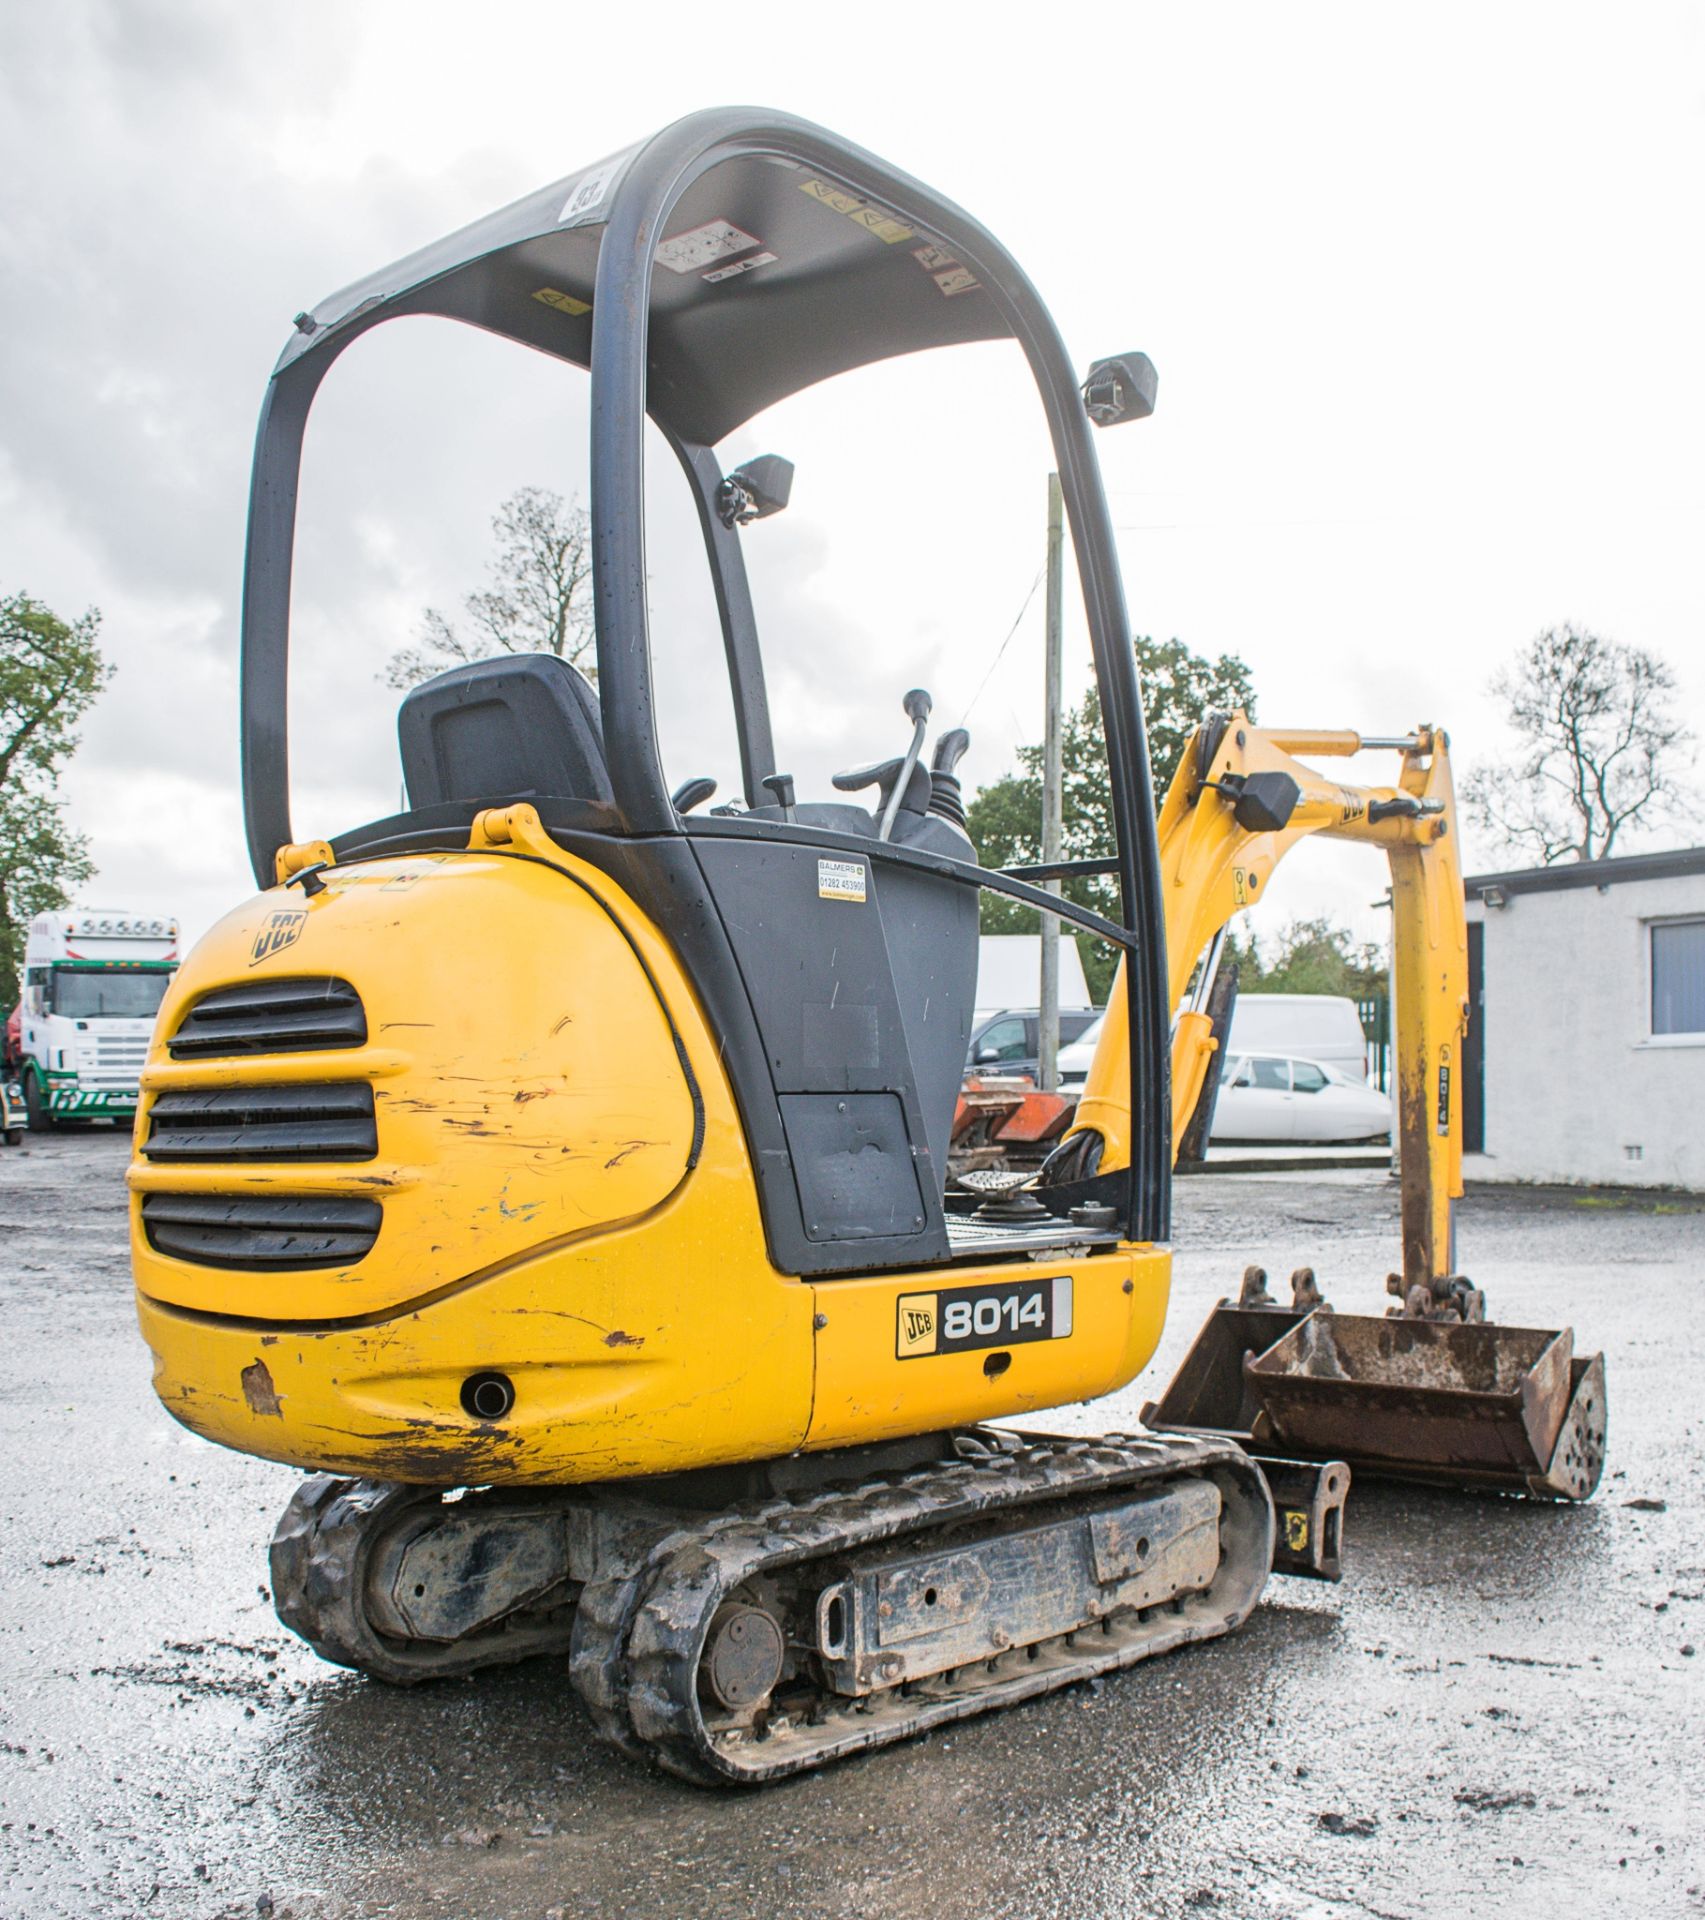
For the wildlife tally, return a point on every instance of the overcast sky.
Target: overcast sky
(1425, 290)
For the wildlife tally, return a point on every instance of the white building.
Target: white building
(1585, 1057)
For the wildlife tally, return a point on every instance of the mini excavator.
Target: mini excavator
(557, 1171)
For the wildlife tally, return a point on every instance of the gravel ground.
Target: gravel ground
(1497, 1713)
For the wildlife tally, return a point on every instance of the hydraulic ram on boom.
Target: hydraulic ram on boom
(1419, 1393)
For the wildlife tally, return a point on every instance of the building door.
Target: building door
(1474, 1045)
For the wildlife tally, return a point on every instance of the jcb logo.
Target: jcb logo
(914, 1328)
(281, 931)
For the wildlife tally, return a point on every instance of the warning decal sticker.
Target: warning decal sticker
(886, 226)
(932, 259)
(883, 225)
(702, 247)
(945, 270)
(740, 266)
(841, 880)
(563, 302)
(836, 197)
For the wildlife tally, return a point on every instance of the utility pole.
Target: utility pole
(1053, 783)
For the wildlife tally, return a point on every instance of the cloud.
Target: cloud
(1429, 373)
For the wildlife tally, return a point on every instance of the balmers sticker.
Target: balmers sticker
(841, 880)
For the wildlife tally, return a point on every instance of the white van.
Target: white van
(1318, 1026)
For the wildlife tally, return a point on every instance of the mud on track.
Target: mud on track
(1498, 1712)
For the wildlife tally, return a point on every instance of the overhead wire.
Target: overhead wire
(1000, 651)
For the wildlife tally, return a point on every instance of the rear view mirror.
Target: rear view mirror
(756, 490)
(1120, 389)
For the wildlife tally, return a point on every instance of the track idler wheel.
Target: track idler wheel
(743, 1658)
(404, 1585)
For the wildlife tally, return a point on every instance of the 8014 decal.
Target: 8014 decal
(1001, 1314)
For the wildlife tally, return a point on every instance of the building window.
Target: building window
(1678, 977)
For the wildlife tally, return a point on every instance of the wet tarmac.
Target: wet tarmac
(1498, 1713)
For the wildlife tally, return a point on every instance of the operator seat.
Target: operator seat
(519, 727)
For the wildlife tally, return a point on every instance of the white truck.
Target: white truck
(93, 981)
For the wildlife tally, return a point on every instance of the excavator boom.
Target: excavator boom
(1218, 859)
(1428, 1391)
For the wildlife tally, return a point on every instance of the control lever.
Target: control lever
(917, 705)
(884, 775)
(781, 786)
(945, 797)
(692, 793)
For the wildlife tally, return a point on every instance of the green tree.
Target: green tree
(540, 600)
(1603, 751)
(51, 673)
(1314, 956)
(1005, 819)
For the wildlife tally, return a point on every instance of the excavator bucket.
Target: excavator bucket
(1510, 1409)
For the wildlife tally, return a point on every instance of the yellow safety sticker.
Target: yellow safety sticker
(883, 225)
(836, 197)
(1296, 1531)
(563, 302)
(874, 219)
(917, 1325)
(1239, 887)
(841, 880)
(932, 258)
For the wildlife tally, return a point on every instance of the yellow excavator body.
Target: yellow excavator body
(560, 1171)
(565, 1199)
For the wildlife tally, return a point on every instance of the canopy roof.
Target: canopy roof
(772, 274)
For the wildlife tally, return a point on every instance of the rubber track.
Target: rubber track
(319, 1557)
(638, 1636)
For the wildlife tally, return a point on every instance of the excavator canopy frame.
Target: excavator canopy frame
(738, 256)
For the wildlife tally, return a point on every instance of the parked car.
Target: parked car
(1312, 1026)
(1284, 1097)
(1075, 1059)
(1009, 1042)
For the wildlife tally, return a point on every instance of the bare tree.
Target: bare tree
(1601, 748)
(540, 599)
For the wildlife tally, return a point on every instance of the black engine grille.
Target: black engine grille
(271, 1016)
(261, 1231)
(306, 1122)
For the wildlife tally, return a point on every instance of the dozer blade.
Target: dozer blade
(1474, 1405)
